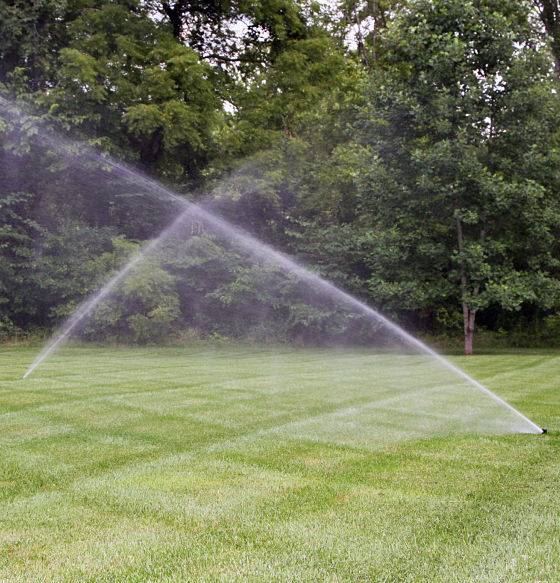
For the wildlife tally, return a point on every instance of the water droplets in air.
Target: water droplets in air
(412, 390)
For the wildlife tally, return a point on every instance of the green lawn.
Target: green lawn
(172, 464)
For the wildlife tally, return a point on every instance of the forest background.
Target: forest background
(408, 151)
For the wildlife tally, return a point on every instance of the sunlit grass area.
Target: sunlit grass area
(169, 464)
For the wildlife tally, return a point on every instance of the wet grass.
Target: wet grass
(173, 465)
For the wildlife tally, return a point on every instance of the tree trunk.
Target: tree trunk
(469, 317)
(550, 16)
(175, 15)
(469, 314)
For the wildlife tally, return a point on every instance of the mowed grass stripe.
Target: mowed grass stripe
(208, 480)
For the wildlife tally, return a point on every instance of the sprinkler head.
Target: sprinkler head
(544, 430)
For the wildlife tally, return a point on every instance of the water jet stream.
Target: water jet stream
(255, 248)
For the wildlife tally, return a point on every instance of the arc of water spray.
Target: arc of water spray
(256, 248)
(87, 307)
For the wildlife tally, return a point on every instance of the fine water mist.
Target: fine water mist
(416, 386)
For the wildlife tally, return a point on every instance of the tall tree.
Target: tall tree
(107, 73)
(461, 190)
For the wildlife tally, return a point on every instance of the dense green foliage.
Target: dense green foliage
(463, 134)
(407, 150)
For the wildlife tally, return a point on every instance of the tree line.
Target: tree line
(408, 150)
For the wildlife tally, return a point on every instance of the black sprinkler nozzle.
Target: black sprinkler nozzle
(544, 430)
